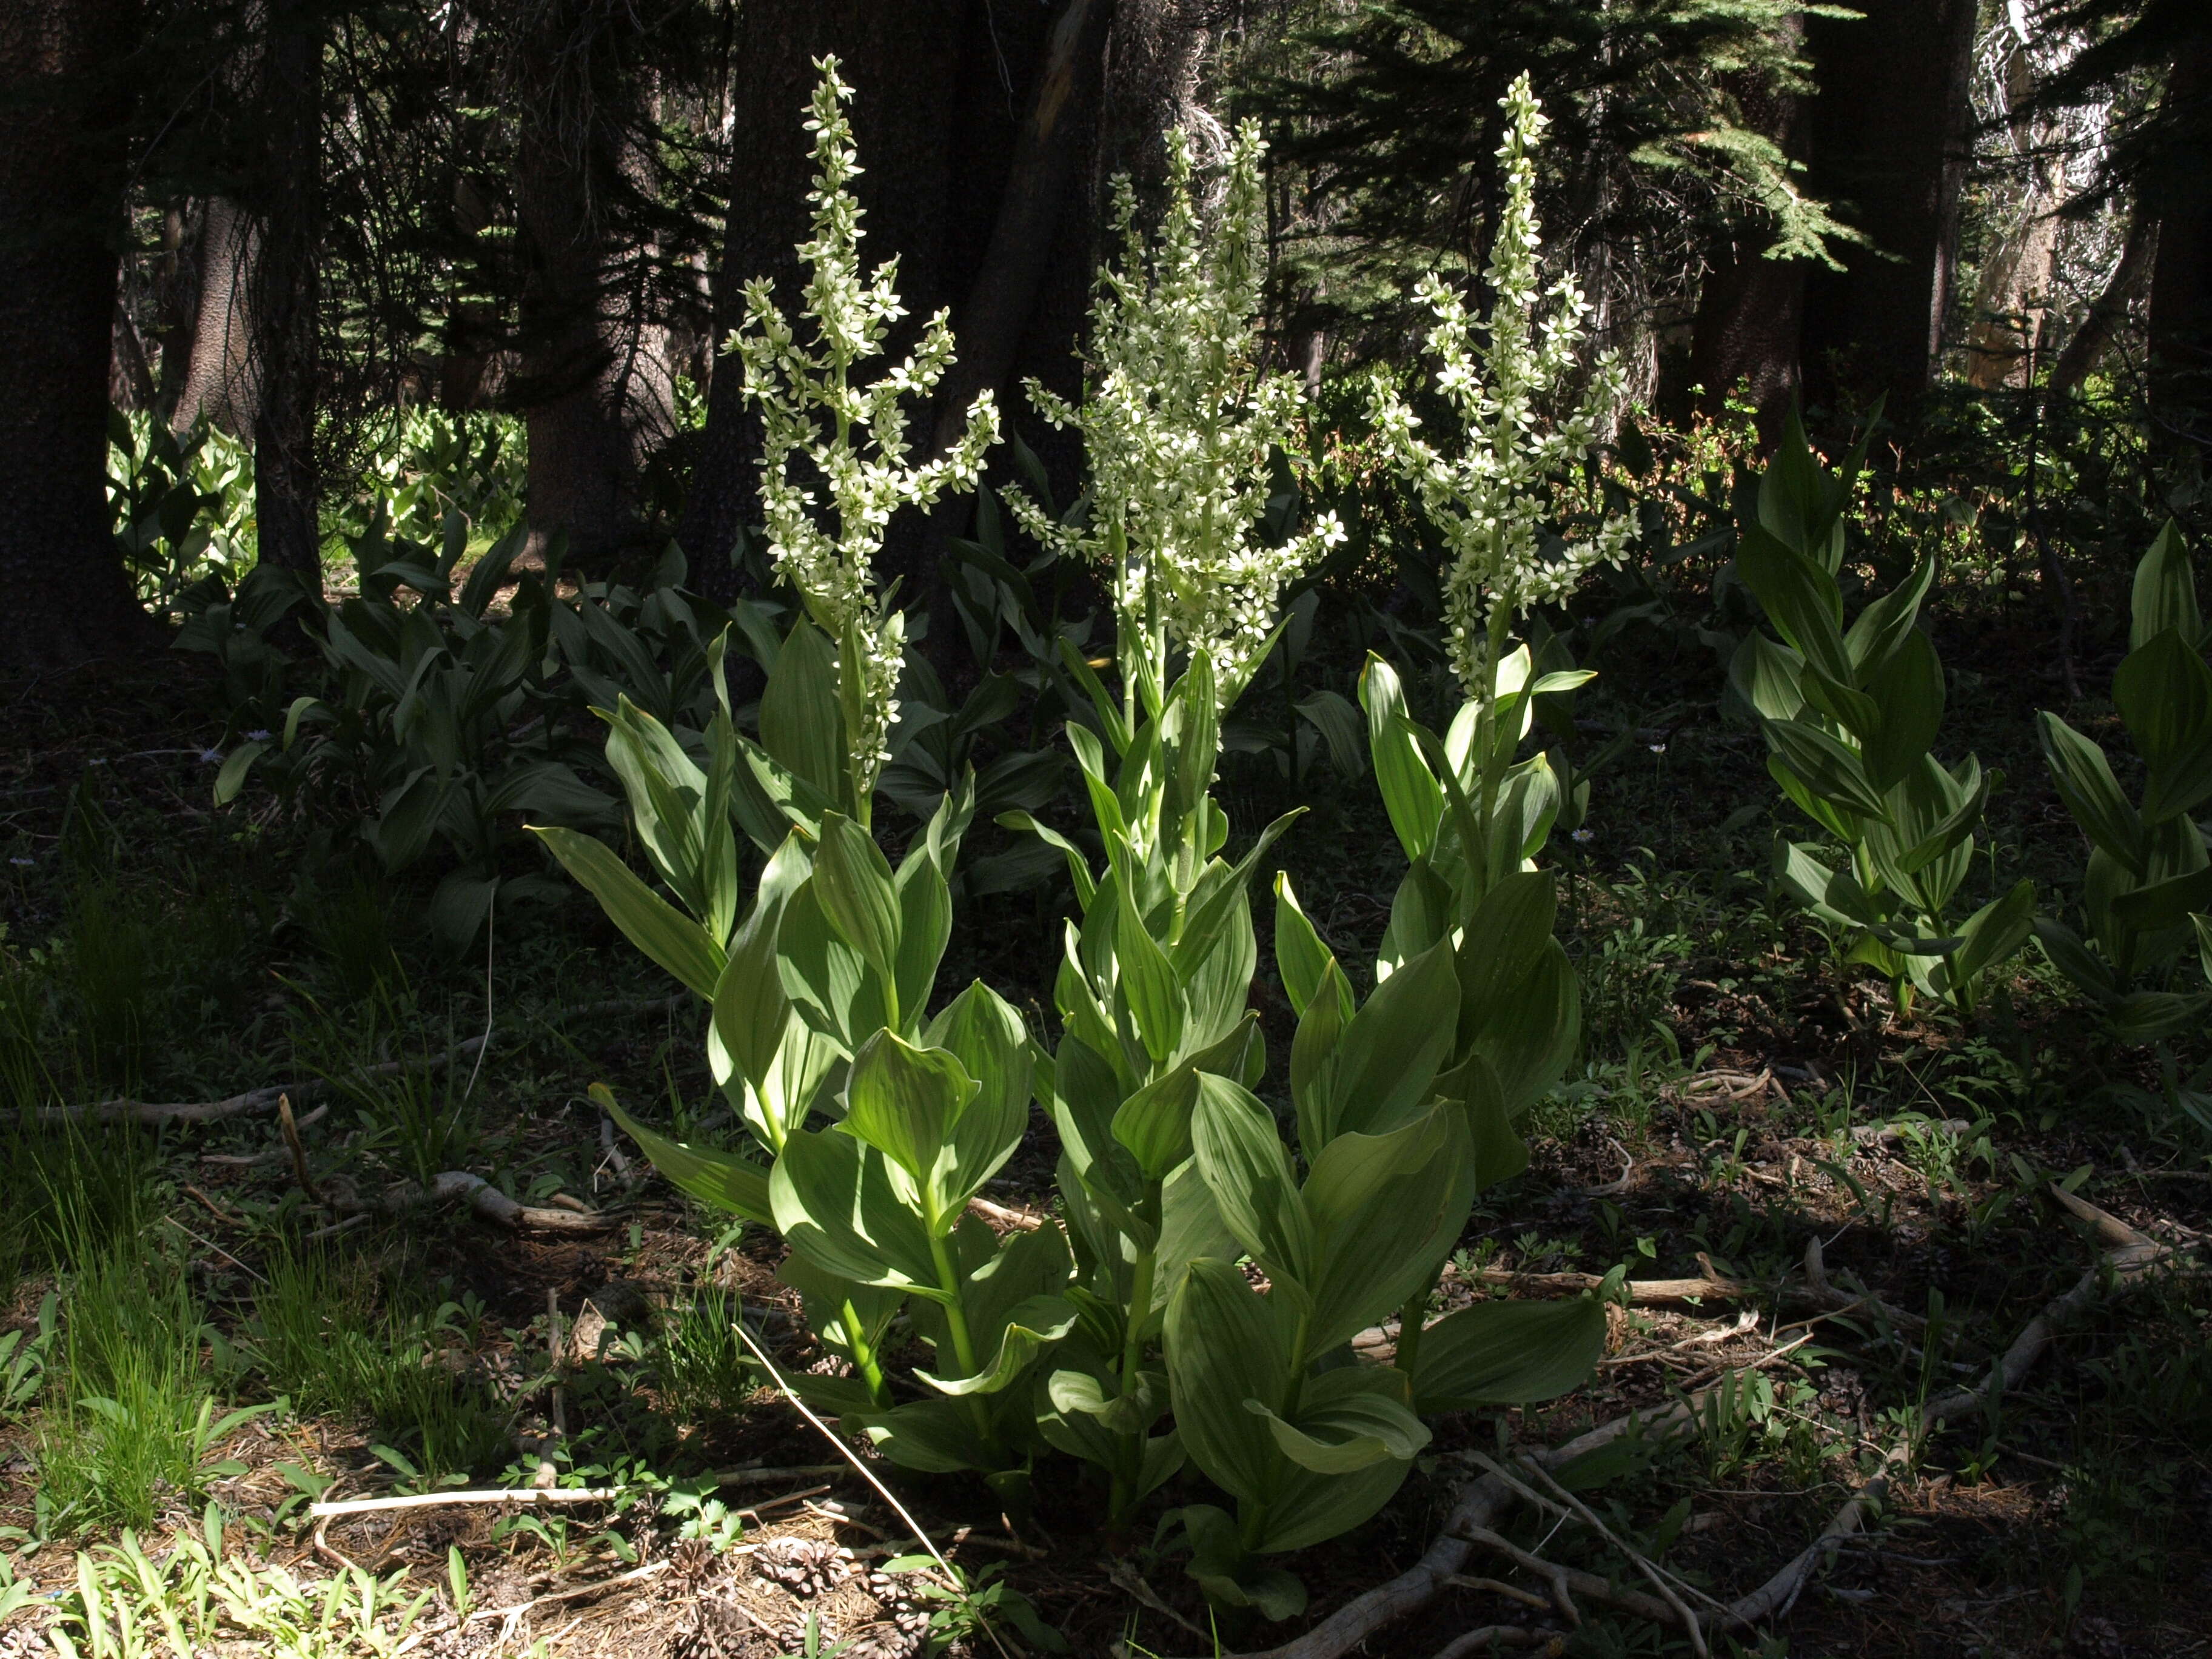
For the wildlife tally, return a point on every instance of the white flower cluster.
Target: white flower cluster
(1179, 424)
(1493, 498)
(858, 451)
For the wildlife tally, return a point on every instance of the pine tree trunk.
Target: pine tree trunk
(2011, 300)
(2181, 272)
(1888, 147)
(2083, 353)
(64, 595)
(285, 293)
(591, 378)
(905, 65)
(220, 385)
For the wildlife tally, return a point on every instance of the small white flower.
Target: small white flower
(210, 757)
(22, 863)
(259, 734)
(1585, 836)
(1656, 748)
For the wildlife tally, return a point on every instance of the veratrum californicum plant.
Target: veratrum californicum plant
(1178, 425)
(854, 436)
(1492, 500)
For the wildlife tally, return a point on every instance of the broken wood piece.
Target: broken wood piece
(433, 1500)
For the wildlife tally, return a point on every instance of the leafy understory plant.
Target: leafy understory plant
(2148, 868)
(1499, 497)
(1849, 717)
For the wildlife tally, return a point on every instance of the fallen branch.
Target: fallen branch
(486, 1200)
(517, 1611)
(1892, 1135)
(1482, 1502)
(1491, 1638)
(264, 1099)
(438, 1500)
(1006, 1220)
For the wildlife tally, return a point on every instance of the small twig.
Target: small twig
(212, 1245)
(759, 1477)
(2110, 1228)
(1498, 1587)
(290, 1131)
(1652, 1575)
(517, 1611)
(1491, 1638)
(999, 1215)
(548, 1473)
(525, 1496)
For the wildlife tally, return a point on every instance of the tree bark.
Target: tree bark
(1751, 308)
(2181, 272)
(220, 385)
(591, 378)
(64, 598)
(2012, 302)
(2083, 353)
(912, 100)
(284, 310)
(1888, 141)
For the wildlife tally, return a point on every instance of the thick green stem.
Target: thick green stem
(1412, 1320)
(1485, 748)
(864, 1357)
(964, 1342)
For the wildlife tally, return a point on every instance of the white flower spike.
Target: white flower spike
(854, 439)
(1492, 497)
(1179, 422)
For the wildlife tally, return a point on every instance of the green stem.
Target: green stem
(863, 1357)
(963, 1343)
(1413, 1319)
(1133, 1358)
(1486, 747)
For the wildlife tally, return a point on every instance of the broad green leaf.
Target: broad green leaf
(2165, 594)
(1767, 675)
(2156, 905)
(2164, 693)
(1994, 932)
(2092, 794)
(750, 1008)
(1079, 867)
(827, 980)
(1245, 1166)
(674, 940)
(1384, 1210)
(235, 765)
(1828, 765)
(1227, 1344)
(1148, 981)
(1529, 1036)
(935, 1436)
(924, 925)
(1387, 1056)
(1508, 1353)
(2072, 958)
(801, 724)
(834, 1200)
(1883, 625)
(852, 883)
(904, 1101)
(1800, 599)
(1039, 1321)
(1300, 956)
(721, 1179)
(1411, 794)
(1908, 687)
(1344, 1423)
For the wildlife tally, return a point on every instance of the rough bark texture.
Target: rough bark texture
(219, 384)
(593, 377)
(284, 307)
(2081, 355)
(934, 121)
(63, 596)
(1888, 146)
(2181, 272)
(1750, 307)
(2012, 302)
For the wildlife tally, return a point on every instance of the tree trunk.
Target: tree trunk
(1888, 147)
(2095, 337)
(220, 385)
(2181, 272)
(2013, 299)
(591, 378)
(1750, 308)
(905, 63)
(283, 307)
(63, 596)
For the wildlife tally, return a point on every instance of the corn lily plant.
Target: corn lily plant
(2148, 869)
(1849, 717)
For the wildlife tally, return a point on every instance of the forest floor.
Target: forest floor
(1745, 1098)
